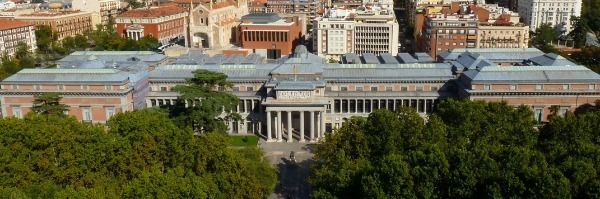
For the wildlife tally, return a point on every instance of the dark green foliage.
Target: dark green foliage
(544, 34)
(203, 92)
(49, 104)
(465, 150)
(141, 155)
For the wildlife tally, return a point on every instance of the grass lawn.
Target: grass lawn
(244, 141)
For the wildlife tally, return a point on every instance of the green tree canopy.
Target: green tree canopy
(140, 154)
(49, 104)
(208, 104)
(464, 150)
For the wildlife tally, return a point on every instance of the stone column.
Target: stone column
(356, 105)
(279, 127)
(364, 105)
(348, 105)
(289, 127)
(322, 125)
(425, 107)
(417, 108)
(312, 126)
(269, 138)
(148, 103)
(301, 126)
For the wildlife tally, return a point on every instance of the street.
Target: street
(293, 178)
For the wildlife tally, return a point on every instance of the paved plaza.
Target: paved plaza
(293, 178)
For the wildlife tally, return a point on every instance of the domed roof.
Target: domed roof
(55, 5)
(300, 51)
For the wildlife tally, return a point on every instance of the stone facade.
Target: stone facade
(301, 97)
(343, 31)
(213, 24)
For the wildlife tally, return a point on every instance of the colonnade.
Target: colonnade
(368, 105)
(277, 128)
(135, 34)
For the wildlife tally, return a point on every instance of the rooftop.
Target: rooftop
(261, 18)
(154, 11)
(69, 75)
(6, 24)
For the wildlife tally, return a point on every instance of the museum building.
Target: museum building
(302, 97)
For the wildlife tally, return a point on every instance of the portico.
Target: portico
(295, 123)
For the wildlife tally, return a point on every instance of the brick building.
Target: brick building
(166, 23)
(94, 84)
(64, 23)
(13, 32)
(270, 35)
(443, 32)
(302, 97)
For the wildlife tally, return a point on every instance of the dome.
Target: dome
(300, 51)
(55, 5)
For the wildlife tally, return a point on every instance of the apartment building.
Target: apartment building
(365, 30)
(499, 27)
(62, 18)
(270, 35)
(13, 32)
(556, 13)
(105, 8)
(443, 32)
(310, 8)
(166, 23)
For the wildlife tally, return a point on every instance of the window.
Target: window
(359, 88)
(14, 87)
(61, 87)
(404, 88)
(566, 87)
(513, 87)
(487, 87)
(17, 111)
(434, 88)
(374, 88)
(107, 87)
(539, 87)
(110, 111)
(537, 114)
(85, 87)
(563, 111)
(250, 88)
(419, 88)
(592, 87)
(343, 88)
(236, 89)
(388, 88)
(163, 88)
(86, 114)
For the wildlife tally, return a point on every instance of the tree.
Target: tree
(206, 102)
(44, 37)
(544, 34)
(139, 154)
(464, 150)
(579, 31)
(25, 57)
(49, 104)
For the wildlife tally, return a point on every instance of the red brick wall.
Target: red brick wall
(293, 35)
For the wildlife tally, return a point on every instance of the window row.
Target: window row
(386, 88)
(265, 36)
(369, 105)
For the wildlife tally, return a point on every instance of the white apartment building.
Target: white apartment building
(555, 12)
(105, 8)
(364, 30)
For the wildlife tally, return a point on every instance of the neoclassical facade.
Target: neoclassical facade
(300, 98)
